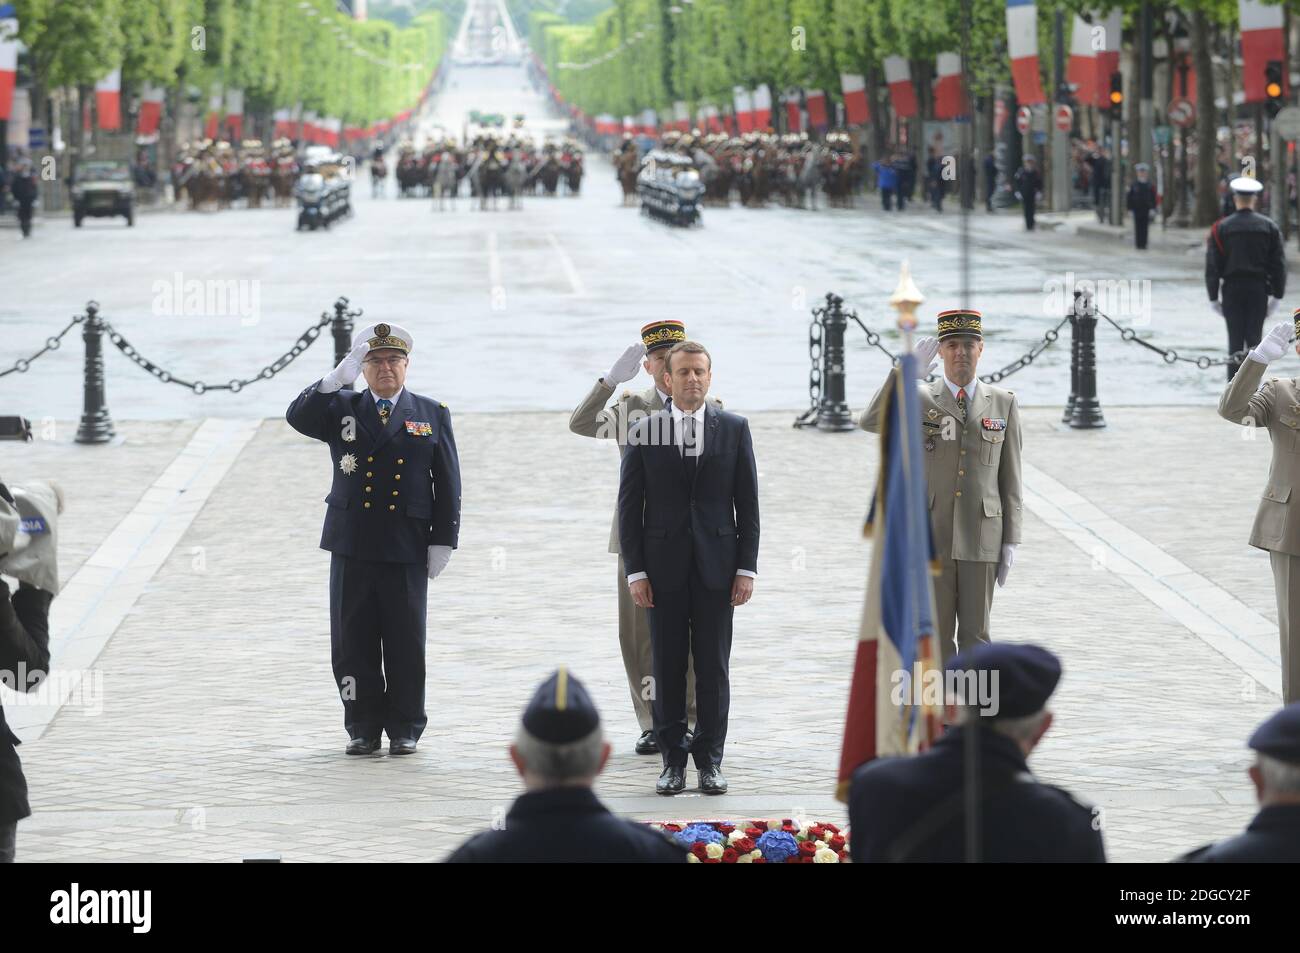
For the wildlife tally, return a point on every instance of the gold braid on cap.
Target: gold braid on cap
(384, 338)
(960, 322)
(660, 335)
(1295, 320)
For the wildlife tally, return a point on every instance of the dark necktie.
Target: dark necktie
(961, 402)
(385, 408)
(690, 449)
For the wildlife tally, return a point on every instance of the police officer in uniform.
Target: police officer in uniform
(1028, 184)
(1141, 200)
(1244, 253)
(1275, 406)
(913, 809)
(593, 419)
(392, 520)
(972, 444)
(1274, 835)
(559, 750)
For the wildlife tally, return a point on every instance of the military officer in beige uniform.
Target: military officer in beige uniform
(971, 440)
(1276, 406)
(593, 419)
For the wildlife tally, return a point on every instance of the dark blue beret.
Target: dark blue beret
(561, 711)
(1279, 737)
(1021, 677)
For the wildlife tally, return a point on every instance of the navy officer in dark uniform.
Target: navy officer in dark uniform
(1141, 200)
(1274, 835)
(914, 808)
(558, 751)
(391, 522)
(1244, 253)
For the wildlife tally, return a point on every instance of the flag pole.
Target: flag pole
(904, 300)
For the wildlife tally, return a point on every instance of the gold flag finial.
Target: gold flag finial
(905, 298)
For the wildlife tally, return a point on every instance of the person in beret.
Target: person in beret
(1274, 405)
(913, 809)
(971, 441)
(1245, 269)
(392, 519)
(592, 418)
(1274, 835)
(559, 750)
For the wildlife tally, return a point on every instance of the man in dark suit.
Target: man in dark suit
(24, 661)
(558, 751)
(914, 808)
(688, 530)
(1274, 835)
(392, 521)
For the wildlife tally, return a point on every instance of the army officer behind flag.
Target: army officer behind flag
(971, 434)
(391, 521)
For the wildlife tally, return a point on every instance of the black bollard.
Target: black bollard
(832, 410)
(1084, 410)
(341, 325)
(96, 425)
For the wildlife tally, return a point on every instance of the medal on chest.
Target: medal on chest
(348, 464)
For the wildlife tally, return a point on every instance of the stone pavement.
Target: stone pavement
(219, 733)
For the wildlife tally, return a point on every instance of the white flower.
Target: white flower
(714, 851)
(692, 859)
(745, 858)
(755, 854)
(826, 856)
(774, 825)
(348, 464)
(735, 836)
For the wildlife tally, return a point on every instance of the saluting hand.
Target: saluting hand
(1274, 345)
(925, 351)
(625, 367)
(349, 369)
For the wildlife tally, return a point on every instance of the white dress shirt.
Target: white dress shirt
(395, 398)
(697, 449)
(970, 388)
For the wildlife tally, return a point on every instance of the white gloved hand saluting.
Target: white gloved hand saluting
(1272, 306)
(349, 370)
(1274, 345)
(1217, 307)
(925, 351)
(1004, 564)
(626, 366)
(439, 556)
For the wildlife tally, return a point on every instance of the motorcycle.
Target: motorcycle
(311, 193)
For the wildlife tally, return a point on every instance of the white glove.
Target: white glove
(439, 556)
(1004, 565)
(349, 370)
(626, 366)
(1273, 346)
(1217, 307)
(1272, 306)
(925, 350)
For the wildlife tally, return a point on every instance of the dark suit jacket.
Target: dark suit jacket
(666, 522)
(1273, 837)
(411, 481)
(567, 825)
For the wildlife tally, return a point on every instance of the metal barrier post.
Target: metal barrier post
(341, 325)
(1084, 410)
(832, 410)
(96, 425)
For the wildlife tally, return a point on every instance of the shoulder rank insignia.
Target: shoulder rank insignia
(626, 395)
(994, 423)
(419, 428)
(348, 463)
(442, 405)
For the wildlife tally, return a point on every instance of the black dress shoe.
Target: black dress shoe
(712, 781)
(671, 781)
(401, 746)
(646, 744)
(363, 746)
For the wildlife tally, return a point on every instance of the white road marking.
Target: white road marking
(494, 262)
(93, 603)
(570, 271)
(1211, 613)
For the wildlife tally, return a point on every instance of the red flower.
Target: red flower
(753, 832)
(760, 860)
(745, 845)
(844, 857)
(675, 828)
(725, 829)
(806, 860)
(729, 856)
(832, 828)
(792, 860)
(699, 850)
(807, 848)
(712, 860)
(836, 843)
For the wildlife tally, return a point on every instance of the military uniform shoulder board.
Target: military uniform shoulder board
(442, 405)
(626, 395)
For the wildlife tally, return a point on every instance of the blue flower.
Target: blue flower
(699, 832)
(777, 846)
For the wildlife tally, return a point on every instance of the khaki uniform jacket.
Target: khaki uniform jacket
(972, 472)
(1276, 407)
(593, 419)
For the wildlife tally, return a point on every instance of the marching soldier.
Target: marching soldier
(391, 522)
(593, 419)
(1244, 252)
(972, 468)
(1276, 407)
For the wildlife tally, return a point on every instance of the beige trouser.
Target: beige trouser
(634, 640)
(963, 595)
(1286, 581)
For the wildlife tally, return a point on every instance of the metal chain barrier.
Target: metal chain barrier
(21, 365)
(1170, 355)
(304, 341)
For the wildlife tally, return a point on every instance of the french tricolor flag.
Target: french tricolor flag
(1081, 68)
(108, 100)
(898, 75)
(793, 114)
(235, 113)
(8, 58)
(816, 101)
(1107, 56)
(854, 87)
(1022, 45)
(949, 102)
(744, 101)
(762, 101)
(1261, 41)
(151, 107)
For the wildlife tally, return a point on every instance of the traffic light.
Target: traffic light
(1273, 87)
(1117, 95)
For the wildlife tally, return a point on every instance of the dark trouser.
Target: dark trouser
(1245, 305)
(377, 645)
(1027, 202)
(1141, 222)
(8, 841)
(936, 197)
(887, 199)
(692, 623)
(25, 217)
